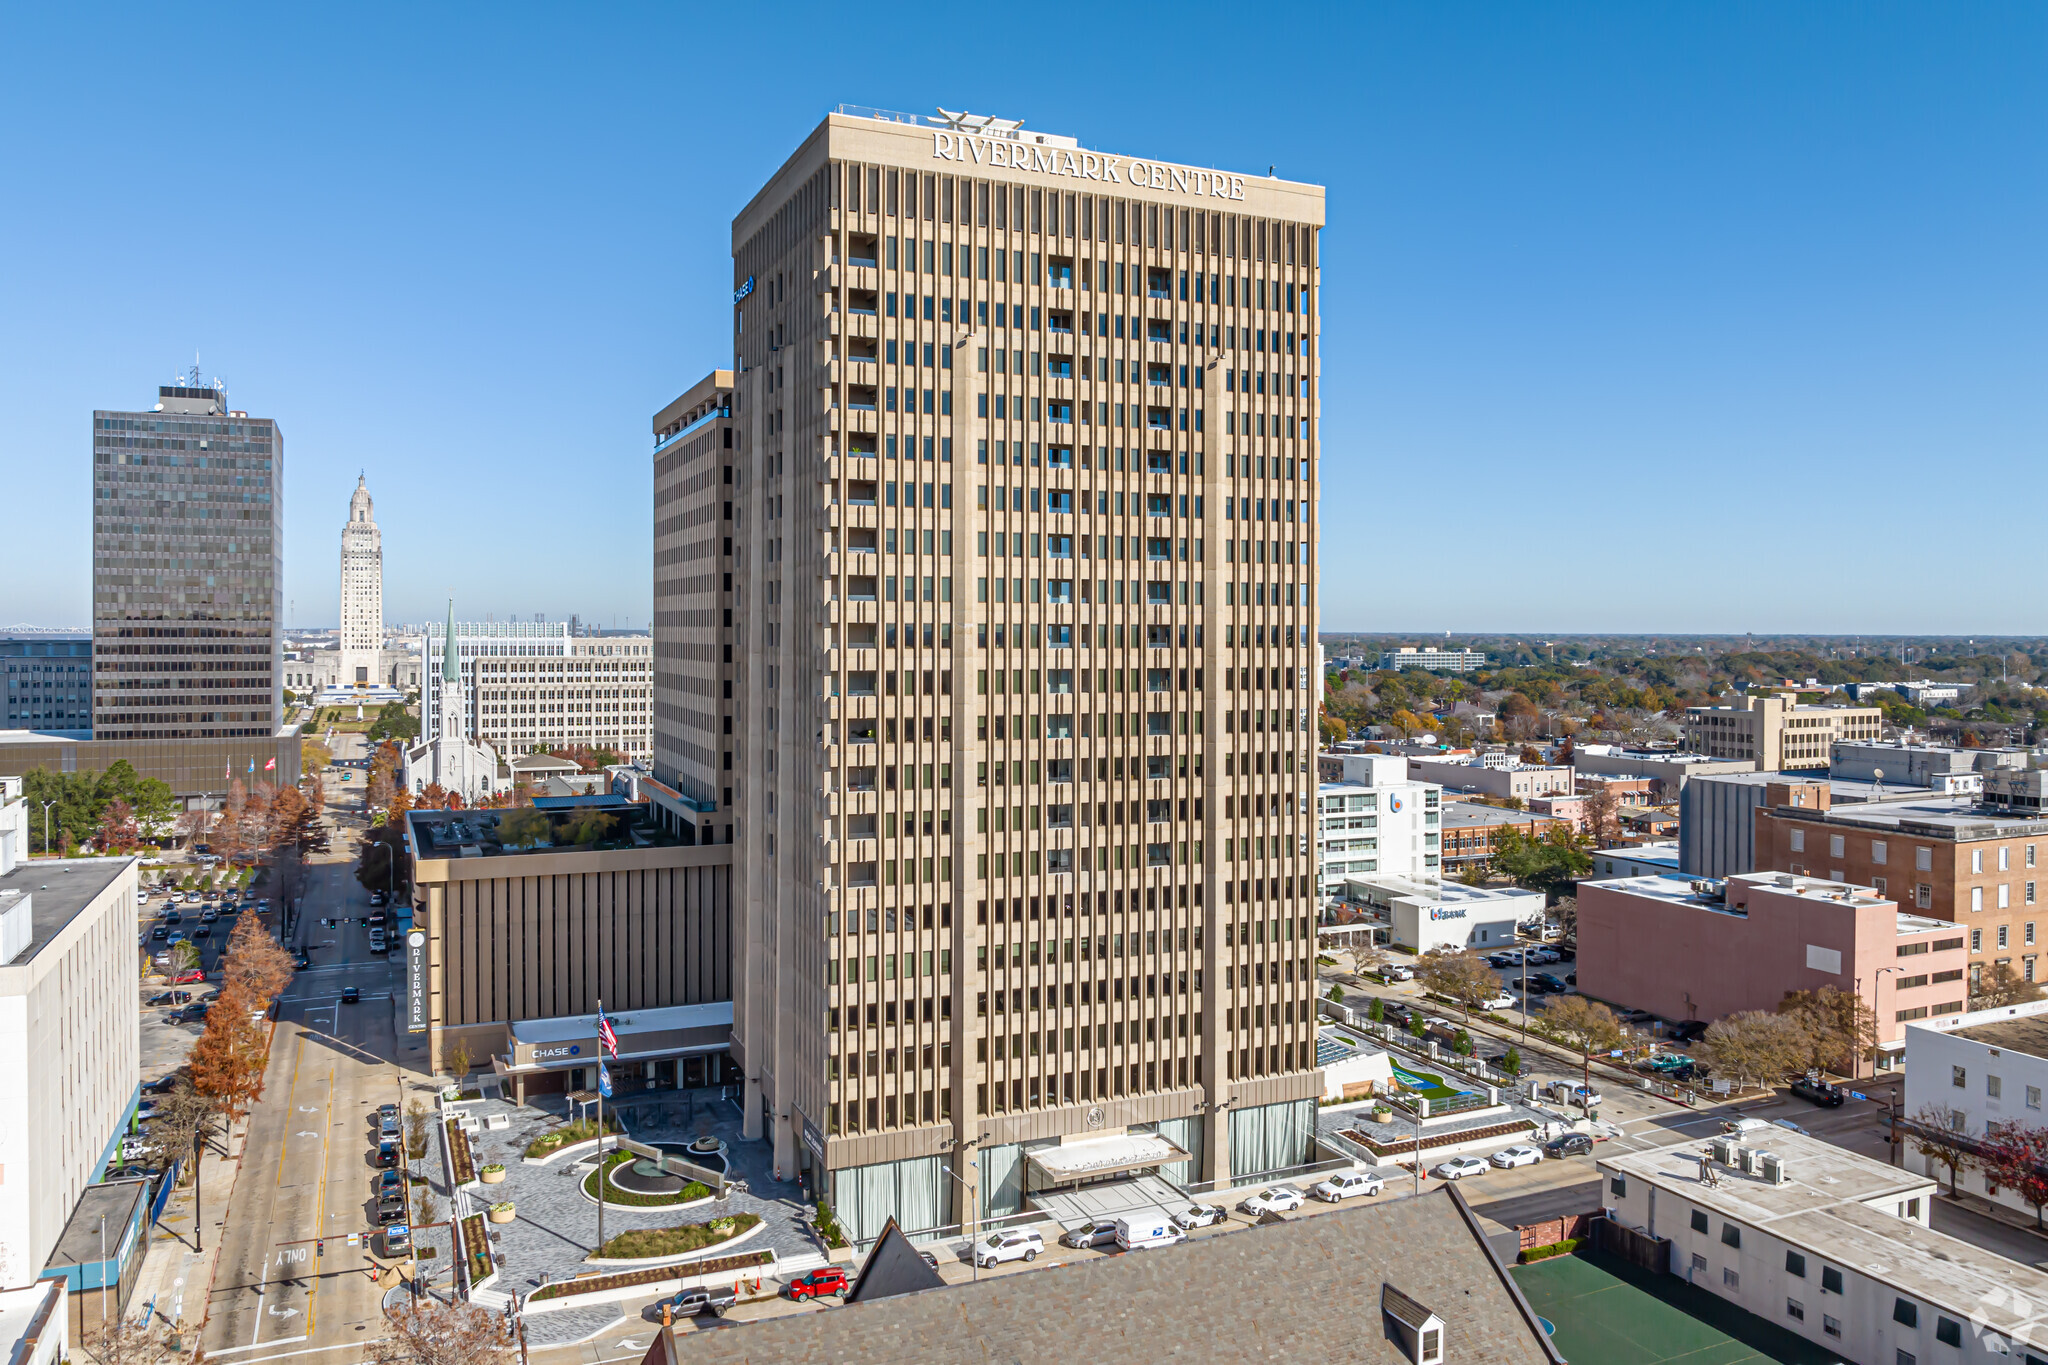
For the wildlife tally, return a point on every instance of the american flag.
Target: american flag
(607, 1034)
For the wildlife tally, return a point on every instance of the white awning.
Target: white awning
(1083, 1160)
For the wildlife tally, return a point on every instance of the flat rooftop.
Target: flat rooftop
(61, 891)
(1446, 893)
(1824, 1208)
(1472, 813)
(2028, 1034)
(1959, 818)
(79, 1243)
(530, 829)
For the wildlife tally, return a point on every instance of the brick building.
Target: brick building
(1945, 857)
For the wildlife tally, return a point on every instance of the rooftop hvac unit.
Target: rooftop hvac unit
(1724, 1150)
(1773, 1169)
(1750, 1159)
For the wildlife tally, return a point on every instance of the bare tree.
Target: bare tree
(127, 1343)
(435, 1333)
(1937, 1139)
(1586, 1026)
(1840, 1029)
(2001, 987)
(1600, 815)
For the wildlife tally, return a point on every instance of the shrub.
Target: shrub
(1544, 1253)
(580, 1130)
(643, 1243)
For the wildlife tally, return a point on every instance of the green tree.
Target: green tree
(1377, 1010)
(394, 722)
(1512, 1062)
(1550, 864)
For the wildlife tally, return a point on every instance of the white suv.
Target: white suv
(1017, 1245)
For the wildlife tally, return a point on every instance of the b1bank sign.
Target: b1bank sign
(1443, 912)
(1031, 159)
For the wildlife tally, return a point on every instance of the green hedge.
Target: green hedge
(1544, 1253)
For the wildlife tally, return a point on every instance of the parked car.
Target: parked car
(387, 1151)
(1545, 955)
(709, 1298)
(397, 1239)
(173, 917)
(1520, 1155)
(1819, 1092)
(1564, 1092)
(387, 1125)
(1545, 981)
(188, 977)
(389, 1183)
(1499, 960)
(351, 994)
(1100, 1233)
(829, 1279)
(387, 1111)
(171, 998)
(391, 1210)
(1274, 1198)
(1394, 971)
(1346, 1185)
(1016, 1244)
(1566, 953)
(1202, 1215)
(1140, 1232)
(1458, 1167)
(1501, 1000)
(1571, 1144)
(159, 934)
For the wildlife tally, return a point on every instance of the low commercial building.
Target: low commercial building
(1494, 775)
(1637, 860)
(1666, 771)
(1433, 659)
(1687, 949)
(524, 919)
(1933, 767)
(1471, 832)
(1948, 857)
(1830, 1245)
(1626, 791)
(1570, 808)
(70, 1027)
(1425, 916)
(194, 769)
(1375, 820)
(1984, 1069)
(1392, 1282)
(1775, 733)
(2021, 792)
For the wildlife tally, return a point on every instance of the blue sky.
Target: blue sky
(1671, 318)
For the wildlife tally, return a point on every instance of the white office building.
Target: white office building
(1433, 659)
(531, 685)
(1832, 1246)
(1982, 1069)
(70, 1034)
(1374, 820)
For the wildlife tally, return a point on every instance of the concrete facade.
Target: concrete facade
(1983, 1069)
(1015, 544)
(1668, 772)
(362, 593)
(1775, 734)
(1373, 820)
(534, 685)
(1425, 916)
(70, 1027)
(188, 570)
(1490, 779)
(1953, 772)
(1686, 949)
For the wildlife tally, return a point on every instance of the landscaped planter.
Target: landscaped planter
(492, 1174)
(721, 1248)
(463, 1165)
(591, 1289)
(504, 1212)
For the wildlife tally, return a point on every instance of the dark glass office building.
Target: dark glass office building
(188, 570)
(49, 682)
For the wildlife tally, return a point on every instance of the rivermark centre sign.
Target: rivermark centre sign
(1032, 159)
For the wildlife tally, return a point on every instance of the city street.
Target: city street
(308, 1168)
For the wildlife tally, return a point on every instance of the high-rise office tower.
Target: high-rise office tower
(188, 571)
(362, 592)
(1006, 590)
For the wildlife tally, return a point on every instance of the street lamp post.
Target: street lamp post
(965, 1190)
(46, 827)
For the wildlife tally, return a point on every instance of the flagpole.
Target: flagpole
(600, 1110)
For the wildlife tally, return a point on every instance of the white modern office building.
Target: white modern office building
(1425, 916)
(529, 685)
(1981, 1070)
(1375, 820)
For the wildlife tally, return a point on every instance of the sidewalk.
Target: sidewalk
(176, 1281)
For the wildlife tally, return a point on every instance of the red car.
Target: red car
(187, 977)
(830, 1280)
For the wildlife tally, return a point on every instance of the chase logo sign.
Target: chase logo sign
(744, 290)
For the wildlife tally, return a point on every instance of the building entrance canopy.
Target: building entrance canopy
(571, 1040)
(1071, 1163)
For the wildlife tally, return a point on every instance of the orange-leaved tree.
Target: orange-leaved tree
(229, 1058)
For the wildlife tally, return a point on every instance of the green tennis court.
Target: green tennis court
(1608, 1312)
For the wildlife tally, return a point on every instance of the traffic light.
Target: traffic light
(320, 1246)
